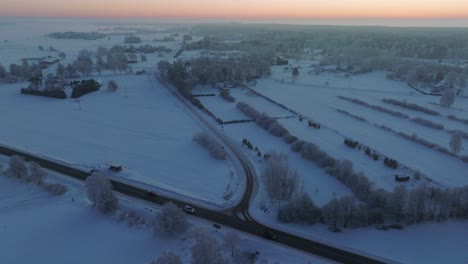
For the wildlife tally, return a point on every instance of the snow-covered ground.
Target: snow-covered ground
(319, 103)
(36, 227)
(146, 131)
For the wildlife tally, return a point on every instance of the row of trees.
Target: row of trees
(399, 206)
(32, 172)
(215, 149)
(212, 71)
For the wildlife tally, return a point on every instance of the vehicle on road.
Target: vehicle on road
(189, 209)
(151, 194)
(269, 235)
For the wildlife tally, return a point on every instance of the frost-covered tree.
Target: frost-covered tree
(301, 209)
(36, 173)
(100, 193)
(17, 167)
(295, 73)
(2, 71)
(280, 180)
(451, 78)
(100, 64)
(71, 71)
(112, 86)
(61, 71)
(448, 98)
(456, 141)
(168, 258)
(84, 63)
(206, 249)
(62, 55)
(170, 220)
(231, 242)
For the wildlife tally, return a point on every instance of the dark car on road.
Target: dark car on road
(269, 235)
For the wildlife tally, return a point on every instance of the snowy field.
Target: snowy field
(76, 233)
(310, 97)
(146, 131)
(141, 126)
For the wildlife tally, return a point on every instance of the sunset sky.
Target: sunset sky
(239, 9)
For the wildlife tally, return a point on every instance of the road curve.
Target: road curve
(239, 218)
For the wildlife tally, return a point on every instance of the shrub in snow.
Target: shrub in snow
(313, 152)
(215, 149)
(448, 98)
(427, 123)
(112, 86)
(411, 106)
(206, 250)
(100, 193)
(36, 173)
(168, 258)
(85, 87)
(170, 220)
(300, 209)
(17, 167)
(289, 139)
(227, 96)
(375, 107)
(456, 141)
(297, 145)
(453, 117)
(59, 94)
(55, 188)
(280, 180)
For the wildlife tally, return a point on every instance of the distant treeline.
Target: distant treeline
(76, 35)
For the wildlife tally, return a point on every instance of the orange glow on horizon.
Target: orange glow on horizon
(240, 9)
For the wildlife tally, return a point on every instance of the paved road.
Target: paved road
(237, 218)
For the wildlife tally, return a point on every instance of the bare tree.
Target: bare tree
(295, 73)
(397, 202)
(206, 249)
(448, 98)
(170, 220)
(280, 180)
(231, 241)
(168, 258)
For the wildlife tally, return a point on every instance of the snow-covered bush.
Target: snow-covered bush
(411, 106)
(112, 86)
(456, 141)
(448, 98)
(297, 145)
(289, 139)
(170, 220)
(17, 167)
(56, 189)
(215, 149)
(427, 123)
(168, 258)
(100, 193)
(300, 209)
(36, 173)
(206, 250)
